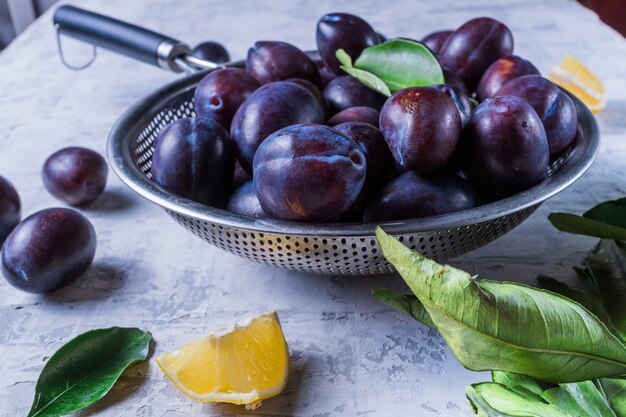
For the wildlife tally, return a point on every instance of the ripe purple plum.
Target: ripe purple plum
(345, 31)
(460, 99)
(356, 114)
(346, 91)
(502, 71)
(270, 108)
(245, 201)
(270, 61)
(221, 92)
(211, 51)
(241, 175)
(434, 41)
(413, 195)
(314, 90)
(194, 158)
(48, 250)
(504, 147)
(10, 208)
(75, 175)
(308, 173)
(422, 127)
(474, 46)
(555, 109)
(380, 163)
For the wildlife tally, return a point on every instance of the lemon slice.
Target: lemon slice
(242, 364)
(572, 75)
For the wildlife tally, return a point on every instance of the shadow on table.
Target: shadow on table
(99, 282)
(111, 200)
(283, 404)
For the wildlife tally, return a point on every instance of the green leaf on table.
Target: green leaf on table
(508, 326)
(401, 63)
(610, 212)
(606, 220)
(521, 384)
(615, 391)
(407, 303)
(489, 399)
(587, 299)
(84, 370)
(582, 399)
(606, 267)
(366, 78)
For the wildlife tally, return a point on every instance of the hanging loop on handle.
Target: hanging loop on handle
(64, 61)
(121, 37)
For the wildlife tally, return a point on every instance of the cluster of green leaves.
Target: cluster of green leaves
(393, 66)
(84, 369)
(554, 350)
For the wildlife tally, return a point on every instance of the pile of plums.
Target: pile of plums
(295, 138)
(52, 247)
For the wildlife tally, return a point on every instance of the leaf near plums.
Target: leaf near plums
(401, 63)
(366, 78)
(606, 267)
(516, 328)
(606, 220)
(84, 370)
(489, 399)
(407, 303)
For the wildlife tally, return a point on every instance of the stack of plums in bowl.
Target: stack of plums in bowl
(299, 139)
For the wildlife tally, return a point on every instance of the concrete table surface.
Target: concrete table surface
(350, 355)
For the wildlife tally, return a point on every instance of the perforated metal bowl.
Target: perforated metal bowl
(337, 249)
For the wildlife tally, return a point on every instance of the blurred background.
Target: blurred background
(16, 15)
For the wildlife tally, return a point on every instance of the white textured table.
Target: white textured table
(351, 355)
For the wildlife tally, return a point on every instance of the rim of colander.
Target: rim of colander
(132, 121)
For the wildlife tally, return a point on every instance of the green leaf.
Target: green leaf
(615, 391)
(582, 399)
(606, 266)
(508, 326)
(572, 223)
(367, 78)
(610, 212)
(521, 384)
(84, 370)
(401, 63)
(489, 399)
(408, 304)
(587, 299)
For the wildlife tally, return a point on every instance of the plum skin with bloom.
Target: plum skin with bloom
(308, 173)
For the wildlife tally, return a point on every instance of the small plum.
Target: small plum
(504, 147)
(555, 109)
(75, 175)
(10, 208)
(48, 250)
(502, 71)
(413, 195)
(194, 158)
(356, 114)
(422, 126)
(270, 61)
(308, 173)
(244, 201)
(220, 93)
(211, 51)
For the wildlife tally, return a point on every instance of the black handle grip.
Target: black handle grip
(121, 37)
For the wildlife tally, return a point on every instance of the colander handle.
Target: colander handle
(121, 37)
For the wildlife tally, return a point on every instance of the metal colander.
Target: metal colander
(325, 248)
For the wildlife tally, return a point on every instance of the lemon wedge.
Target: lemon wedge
(572, 75)
(241, 364)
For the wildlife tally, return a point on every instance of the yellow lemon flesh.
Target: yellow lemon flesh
(242, 364)
(572, 75)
